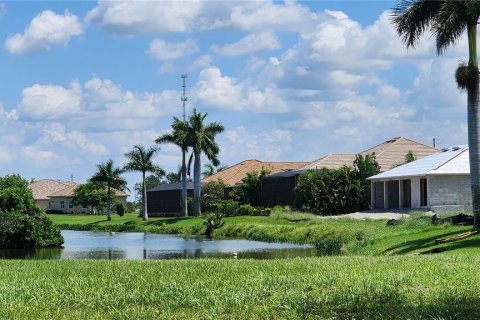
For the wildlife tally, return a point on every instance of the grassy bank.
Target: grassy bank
(429, 287)
(330, 236)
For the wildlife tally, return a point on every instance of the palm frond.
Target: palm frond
(412, 18)
(450, 23)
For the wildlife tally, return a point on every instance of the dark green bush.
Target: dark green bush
(19, 230)
(212, 193)
(246, 210)
(119, 209)
(229, 208)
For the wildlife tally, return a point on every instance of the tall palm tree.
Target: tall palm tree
(111, 178)
(141, 160)
(447, 20)
(179, 136)
(201, 137)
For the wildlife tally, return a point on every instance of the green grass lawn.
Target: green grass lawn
(331, 236)
(400, 287)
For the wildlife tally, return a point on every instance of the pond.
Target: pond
(138, 246)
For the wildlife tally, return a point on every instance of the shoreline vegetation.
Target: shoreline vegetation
(413, 235)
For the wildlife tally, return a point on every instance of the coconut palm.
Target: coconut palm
(110, 178)
(141, 160)
(448, 20)
(178, 136)
(201, 137)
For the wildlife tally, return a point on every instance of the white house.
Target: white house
(440, 179)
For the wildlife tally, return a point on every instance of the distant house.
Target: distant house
(57, 195)
(440, 179)
(165, 199)
(279, 189)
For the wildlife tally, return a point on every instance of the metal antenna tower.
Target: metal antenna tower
(184, 97)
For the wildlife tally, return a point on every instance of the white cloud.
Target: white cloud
(162, 50)
(215, 89)
(94, 102)
(51, 101)
(45, 30)
(264, 41)
(74, 140)
(142, 17)
(241, 144)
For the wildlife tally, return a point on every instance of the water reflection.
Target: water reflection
(138, 246)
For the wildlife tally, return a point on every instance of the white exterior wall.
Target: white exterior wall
(450, 190)
(415, 192)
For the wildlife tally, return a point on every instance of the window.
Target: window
(62, 204)
(70, 204)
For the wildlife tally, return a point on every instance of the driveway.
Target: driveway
(376, 215)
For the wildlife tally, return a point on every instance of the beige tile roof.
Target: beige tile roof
(43, 188)
(331, 161)
(233, 175)
(392, 152)
(388, 154)
(68, 192)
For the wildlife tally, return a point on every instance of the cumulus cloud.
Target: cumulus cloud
(239, 143)
(162, 50)
(93, 102)
(264, 41)
(47, 29)
(134, 18)
(74, 140)
(215, 89)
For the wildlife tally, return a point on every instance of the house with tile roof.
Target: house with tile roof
(279, 189)
(438, 180)
(58, 195)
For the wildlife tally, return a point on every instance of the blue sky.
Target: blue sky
(83, 82)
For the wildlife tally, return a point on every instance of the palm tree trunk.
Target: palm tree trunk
(109, 205)
(144, 199)
(473, 124)
(196, 184)
(184, 185)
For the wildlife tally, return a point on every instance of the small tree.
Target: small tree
(91, 195)
(212, 193)
(365, 167)
(409, 157)
(250, 190)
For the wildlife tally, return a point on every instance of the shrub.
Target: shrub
(246, 210)
(16, 196)
(212, 192)
(119, 209)
(228, 208)
(250, 190)
(212, 221)
(19, 230)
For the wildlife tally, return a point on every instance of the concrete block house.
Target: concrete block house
(438, 180)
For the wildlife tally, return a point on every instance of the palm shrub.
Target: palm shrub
(212, 221)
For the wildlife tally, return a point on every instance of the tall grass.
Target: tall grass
(316, 288)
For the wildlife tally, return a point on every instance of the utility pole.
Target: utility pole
(184, 97)
(184, 151)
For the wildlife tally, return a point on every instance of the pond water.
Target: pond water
(138, 246)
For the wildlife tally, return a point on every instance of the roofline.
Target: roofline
(396, 140)
(418, 175)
